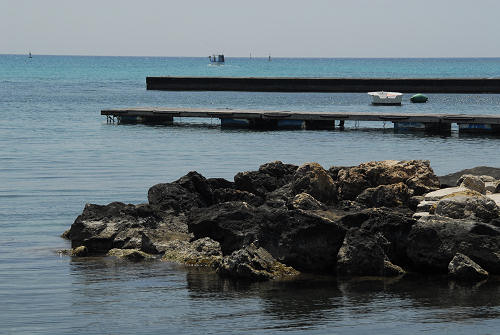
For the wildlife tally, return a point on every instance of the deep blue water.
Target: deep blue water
(57, 153)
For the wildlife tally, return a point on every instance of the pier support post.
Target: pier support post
(320, 125)
(264, 124)
(478, 128)
(438, 128)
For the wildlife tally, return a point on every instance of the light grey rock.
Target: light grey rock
(134, 255)
(463, 268)
(439, 194)
(464, 206)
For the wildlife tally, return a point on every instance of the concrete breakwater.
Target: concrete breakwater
(277, 84)
(376, 219)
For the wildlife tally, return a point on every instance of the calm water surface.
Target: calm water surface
(57, 153)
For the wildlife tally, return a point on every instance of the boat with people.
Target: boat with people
(217, 59)
(386, 98)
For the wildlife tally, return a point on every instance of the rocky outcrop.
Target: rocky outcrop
(254, 263)
(306, 201)
(434, 241)
(362, 254)
(201, 252)
(392, 195)
(133, 255)
(463, 268)
(473, 183)
(280, 219)
(451, 179)
(189, 191)
(416, 175)
(122, 226)
(311, 178)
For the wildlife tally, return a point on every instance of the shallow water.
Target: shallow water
(57, 153)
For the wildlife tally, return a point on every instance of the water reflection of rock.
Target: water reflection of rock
(315, 298)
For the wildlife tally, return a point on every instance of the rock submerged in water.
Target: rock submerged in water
(282, 219)
(463, 268)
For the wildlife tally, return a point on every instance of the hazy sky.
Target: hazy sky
(291, 28)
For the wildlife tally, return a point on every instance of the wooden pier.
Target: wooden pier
(262, 119)
(279, 84)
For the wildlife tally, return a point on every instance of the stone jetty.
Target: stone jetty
(382, 218)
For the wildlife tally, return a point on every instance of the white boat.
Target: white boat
(386, 98)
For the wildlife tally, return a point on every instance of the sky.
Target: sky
(291, 28)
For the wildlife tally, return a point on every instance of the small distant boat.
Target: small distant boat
(29, 55)
(217, 59)
(386, 98)
(419, 98)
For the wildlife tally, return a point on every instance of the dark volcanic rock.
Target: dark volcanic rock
(232, 224)
(253, 263)
(434, 241)
(463, 268)
(117, 225)
(392, 195)
(228, 194)
(303, 240)
(362, 254)
(268, 178)
(191, 190)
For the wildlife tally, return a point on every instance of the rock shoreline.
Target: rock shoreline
(381, 218)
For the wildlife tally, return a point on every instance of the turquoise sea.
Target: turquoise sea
(57, 153)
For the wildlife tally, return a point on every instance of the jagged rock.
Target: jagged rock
(434, 240)
(394, 225)
(117, 225)
(268, 178)
(280, 198)
(462, 267)
(362, 254)
(461, 205)
(307, 202)
(417, 175)
(254, 263)
(302, 239)
(497, 188)
(217, 183)
(487, 179)
(201, 252)
(452, 178)
(191, 190)
(80, 251)
(392, 195)
(130, 254)
(228, 194)
(233, 224)
(313, 179)
(415, 201)
(472, 183)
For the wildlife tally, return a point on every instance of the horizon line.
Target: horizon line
(247, 57)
